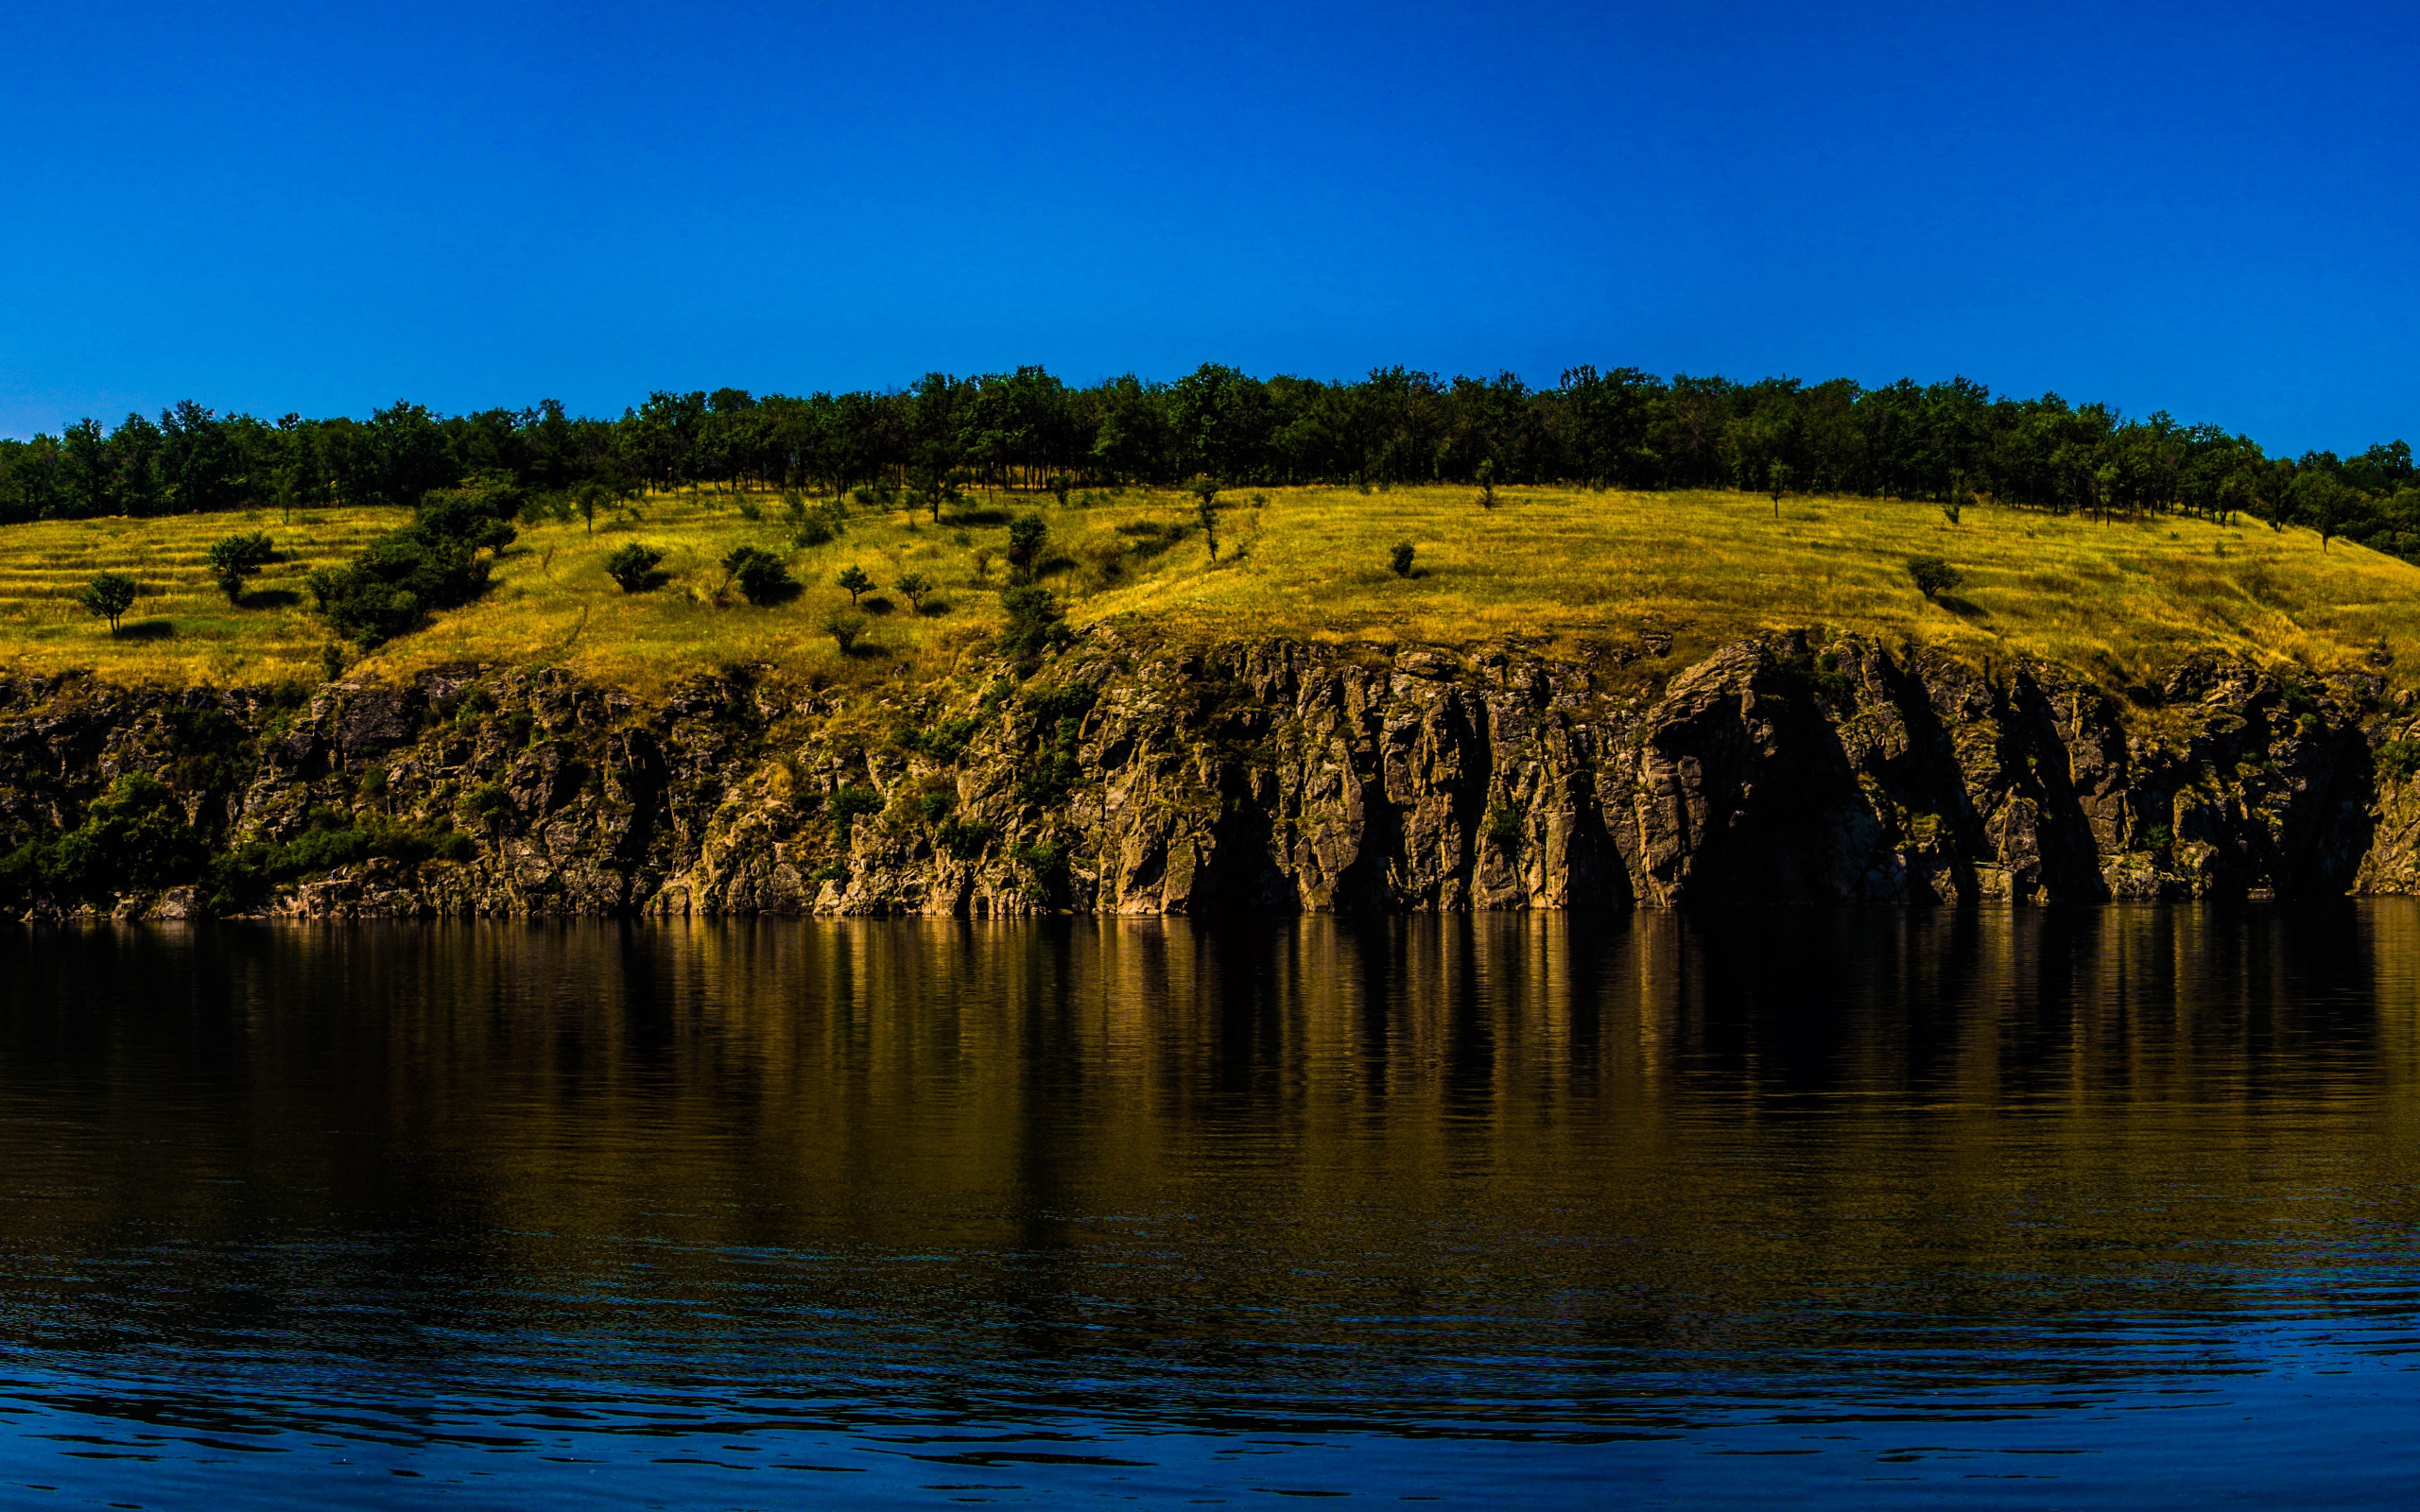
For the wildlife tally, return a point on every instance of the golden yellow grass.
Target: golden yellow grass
(2116, 600)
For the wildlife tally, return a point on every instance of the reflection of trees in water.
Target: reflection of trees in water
(1270, 1150)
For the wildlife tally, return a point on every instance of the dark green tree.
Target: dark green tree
(759, 573)
(633, 566)
(233, 558)
(1026, 536)
(854, 578)
(1034, 622)
(915, 586)
(110, 595)
(1933, 577)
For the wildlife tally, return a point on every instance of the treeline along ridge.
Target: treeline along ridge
(1947, 441)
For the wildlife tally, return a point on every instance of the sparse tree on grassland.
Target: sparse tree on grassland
(110, 595)
(1933, 577)
(233, 558)
(1026, 534)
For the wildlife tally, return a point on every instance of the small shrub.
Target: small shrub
(2397, 760)
(750, 512)
(1400, 558)
(1045, 860)
(819, 526)
(1034, 622)
(633, 567)
(1503, 824)
(1933, 577)
(963, 840)
(485, 801)
(847, 805)
(914, 587)
(846, 628)
(760, 575)
(1059, 713)
(946, 741)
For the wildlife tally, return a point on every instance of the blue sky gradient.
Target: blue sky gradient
(321, 209)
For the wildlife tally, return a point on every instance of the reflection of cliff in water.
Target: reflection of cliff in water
(1616, 1146)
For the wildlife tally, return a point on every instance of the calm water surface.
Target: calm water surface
(2094, 1208)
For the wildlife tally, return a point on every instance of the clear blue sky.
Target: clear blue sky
(2204, 209)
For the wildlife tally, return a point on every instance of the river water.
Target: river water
(2096, 1208)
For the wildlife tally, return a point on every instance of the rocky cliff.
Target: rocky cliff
(1123, 775)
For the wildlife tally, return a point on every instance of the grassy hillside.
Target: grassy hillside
(2118, 599)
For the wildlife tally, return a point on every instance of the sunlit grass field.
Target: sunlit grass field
(2116, 600)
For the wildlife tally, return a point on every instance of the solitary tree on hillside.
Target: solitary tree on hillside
(854, 578)
(1400, 558)
(110, 595)
(1207, 495)
(1487, 483)
(1933, 576)
(1025, 536)
(2322, 503)
(915, 586)
(233, 558)
(1777, 480)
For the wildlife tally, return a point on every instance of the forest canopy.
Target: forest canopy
(1952, 441)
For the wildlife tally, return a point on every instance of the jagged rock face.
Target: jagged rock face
(1125, 777)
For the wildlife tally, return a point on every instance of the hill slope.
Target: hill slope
(2113, 601)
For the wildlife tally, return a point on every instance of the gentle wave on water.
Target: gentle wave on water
(2092, 1208)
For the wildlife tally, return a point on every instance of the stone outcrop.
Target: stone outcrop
(1123, 775)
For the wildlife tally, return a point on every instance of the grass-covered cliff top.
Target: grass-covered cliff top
(2114, 599)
